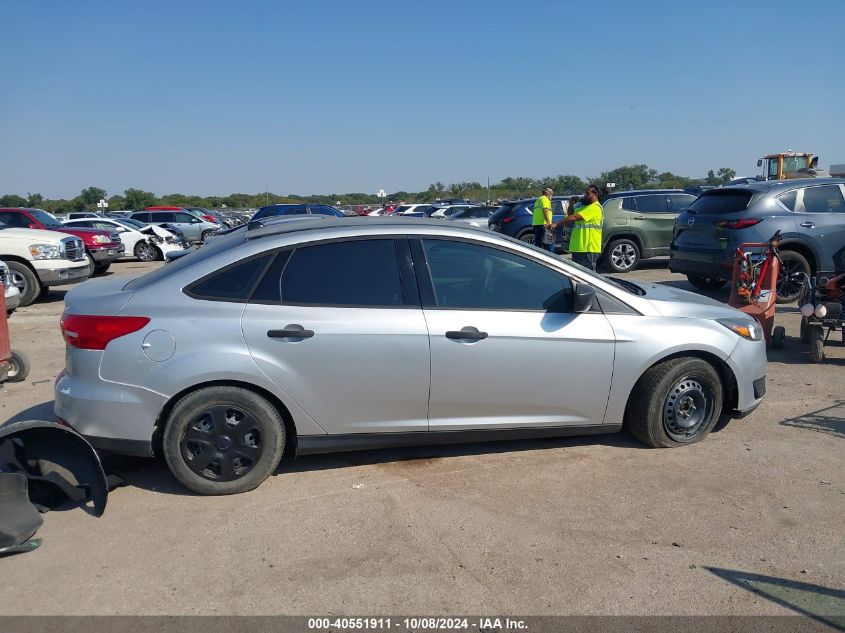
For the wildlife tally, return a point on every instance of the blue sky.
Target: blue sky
(332, 96)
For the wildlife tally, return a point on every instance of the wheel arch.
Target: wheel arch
(20, 260)
(729, 383)
(805, 250)
(624, 235)
(290, 426)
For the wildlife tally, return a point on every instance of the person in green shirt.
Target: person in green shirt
(586, 218)
(542, 218)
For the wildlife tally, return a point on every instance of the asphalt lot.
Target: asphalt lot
(747, 522)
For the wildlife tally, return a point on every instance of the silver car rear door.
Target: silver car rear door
(338, 327)
(499, 358)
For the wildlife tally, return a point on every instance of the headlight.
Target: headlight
(101, 239)
(746, 328)
(155, 239)
(45, 251)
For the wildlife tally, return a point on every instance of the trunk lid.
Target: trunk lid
(102, 297)
(696, 227)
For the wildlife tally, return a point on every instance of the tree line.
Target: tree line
(625, 177)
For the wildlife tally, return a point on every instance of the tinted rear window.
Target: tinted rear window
(233, 283)
(724, 201)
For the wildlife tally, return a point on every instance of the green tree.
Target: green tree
(629, 177)
(726, 174)
(92, 195)
(117, 203)
(564, 185)
(12, 200)
(34, 200)
(138, 198)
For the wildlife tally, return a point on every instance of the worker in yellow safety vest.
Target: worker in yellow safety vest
(586, 218)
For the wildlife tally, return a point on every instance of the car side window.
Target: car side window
(629, 203)
(352, 273)
(185, 218)
(788, 199)
(469, 276)
(652, 204)
(141, 217)
(680, 201)
(14, 220)
(233, 283)
(295, 210)
(824, 199)
(323, 210)
(103, 226)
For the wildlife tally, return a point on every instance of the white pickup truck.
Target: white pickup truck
(40, 259)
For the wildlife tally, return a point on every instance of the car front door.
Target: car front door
(820, 213)
(506, 349)
(339, 328)
(190, 225)
(654, 221)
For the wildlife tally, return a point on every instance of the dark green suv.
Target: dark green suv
(638, 225)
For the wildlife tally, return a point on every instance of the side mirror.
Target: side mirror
(584, 295)
(814, 163)
(759, 162)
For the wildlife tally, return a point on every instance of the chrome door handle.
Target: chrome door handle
(291, 331)
(468, 333)
(808, 225)
(639, 217)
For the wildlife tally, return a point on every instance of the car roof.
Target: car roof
(644, 192)
(279, 226)
(775, 186)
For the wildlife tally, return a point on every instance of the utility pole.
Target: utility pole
(488, 191)
(267, 193)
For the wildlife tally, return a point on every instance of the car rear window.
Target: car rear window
(233, 283)
(721, 201)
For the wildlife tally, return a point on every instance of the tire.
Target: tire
(622, 255)
(146, 252)
(778, 337)
(26, 280)
(706, 283)
(816, 343)
(102, 268)
(237, 458)
(805, 330)
(205, 235)
(675, 403)
(19, 369)
(527, 237)
(791, 278)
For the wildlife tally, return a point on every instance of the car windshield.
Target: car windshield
(47, 219)
(455, 212)
(132, 224)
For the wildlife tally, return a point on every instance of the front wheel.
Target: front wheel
(25, 280)
(794, 271)
(675, 403)
(205, 235)
(223, 440)
(146, 252)
(706, 283)
(19, 367)
(816, 343)
(623, 255)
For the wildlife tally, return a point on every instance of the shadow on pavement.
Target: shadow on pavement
(153, 475)
(829, 420)
(43, 411)
(819, 603)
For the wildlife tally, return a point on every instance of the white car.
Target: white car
(11, 294)
(448, 209)
(146, 242)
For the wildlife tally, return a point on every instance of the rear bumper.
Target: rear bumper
(112, 417)
(703, 263)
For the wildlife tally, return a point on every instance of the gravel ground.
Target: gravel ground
(747, 522)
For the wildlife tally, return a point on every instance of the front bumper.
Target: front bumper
(13, 299)
(748, 364)
(106, 252)
(60, 273)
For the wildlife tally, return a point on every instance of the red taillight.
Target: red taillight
(743, 223)
(208, 218)
(506, 220)
(95, 332)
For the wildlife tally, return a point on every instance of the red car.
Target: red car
(102, 247)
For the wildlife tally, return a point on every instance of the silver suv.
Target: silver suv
(194, 229)
(259, 340)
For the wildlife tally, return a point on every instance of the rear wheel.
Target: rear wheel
(622, 255)
(675, 403)
(26, 281)
(816, 343)
(778, 337)
(223, 440)
(18, 367)
(805, 330)
(794, 271)
(706, 283)
(527, 237)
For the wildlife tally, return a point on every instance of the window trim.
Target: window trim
(799, 200)
(189, 288)
(428, 296)
(410, 294)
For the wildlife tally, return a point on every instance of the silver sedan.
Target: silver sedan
(344, 334)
